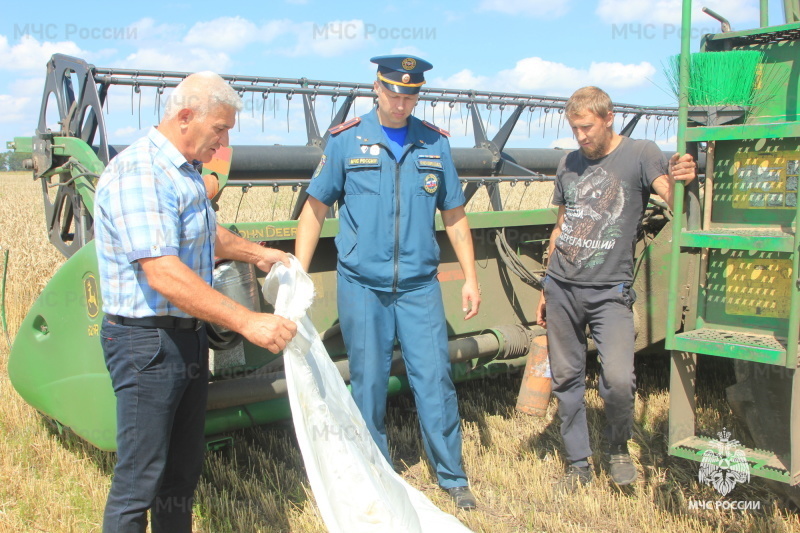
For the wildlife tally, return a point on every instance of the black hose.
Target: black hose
(510, 258)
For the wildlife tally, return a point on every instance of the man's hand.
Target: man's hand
(272, 332)
(270, 256)
(541, 312)
(231, 246)
(470, 299)
(682, 168)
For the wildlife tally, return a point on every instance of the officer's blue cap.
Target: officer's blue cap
(401, 74)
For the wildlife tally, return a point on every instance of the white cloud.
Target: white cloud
(534, 74)
(328, 40)
(21, 106)
(15, 109)
(532, 8)
(620, 76)
(28, 86)
(668, 144)
(224, 33)
(669, 11)
(622, 11)
(203, 47)
(125, 132)
(454, 16)
(147, 29)
(566, 143)
(408, 50)
(31, 55)
(464, 79)
(539, 76)
(234, 33)
(179, 58)
(270, 31)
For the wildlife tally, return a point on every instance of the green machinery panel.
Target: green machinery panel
(748, 291)
(777, 93)
(57, 365)
(755, 181)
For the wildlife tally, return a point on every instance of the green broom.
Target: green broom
(719, 80)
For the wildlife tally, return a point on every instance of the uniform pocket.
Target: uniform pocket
(363, 175)
(345, 245)
(430, 177)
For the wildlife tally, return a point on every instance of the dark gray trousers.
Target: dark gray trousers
(607, 311)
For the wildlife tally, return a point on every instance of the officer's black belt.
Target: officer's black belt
(162, 322)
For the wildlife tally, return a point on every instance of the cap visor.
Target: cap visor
(400, 89)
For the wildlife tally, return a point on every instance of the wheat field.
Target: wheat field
(56, 483)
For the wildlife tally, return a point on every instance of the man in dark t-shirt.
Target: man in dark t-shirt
(601, 191)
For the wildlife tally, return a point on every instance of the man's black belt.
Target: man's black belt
(163, 322)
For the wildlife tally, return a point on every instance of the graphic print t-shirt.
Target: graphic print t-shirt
(604, 202)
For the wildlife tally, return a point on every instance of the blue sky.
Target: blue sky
(548, 47)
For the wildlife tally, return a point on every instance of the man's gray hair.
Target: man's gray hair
(201, 92)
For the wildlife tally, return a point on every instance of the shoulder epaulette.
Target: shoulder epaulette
(344, 125)
(436, 128)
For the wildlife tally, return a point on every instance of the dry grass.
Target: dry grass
(56, 484)
(255, 204)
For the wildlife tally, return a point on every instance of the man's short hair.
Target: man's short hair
(201, 92)
(592, 99)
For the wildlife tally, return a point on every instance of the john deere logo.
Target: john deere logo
(90, 292)
(726, 466)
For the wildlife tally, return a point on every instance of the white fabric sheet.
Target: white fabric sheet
(355, 487)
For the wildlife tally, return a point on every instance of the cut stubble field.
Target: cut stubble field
(57, 483)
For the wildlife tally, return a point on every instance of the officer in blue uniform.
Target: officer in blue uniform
(389, 173)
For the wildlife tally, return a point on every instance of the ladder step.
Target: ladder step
(762, 463)
(774, 130)
(740, 239)
(734, 344)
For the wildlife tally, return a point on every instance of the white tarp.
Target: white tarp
(355, 487)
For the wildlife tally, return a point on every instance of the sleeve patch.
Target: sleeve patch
(319, 166)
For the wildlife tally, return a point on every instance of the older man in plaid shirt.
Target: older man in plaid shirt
(156, 237)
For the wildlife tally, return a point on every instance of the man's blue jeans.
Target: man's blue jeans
(607, 311)
(160, 379)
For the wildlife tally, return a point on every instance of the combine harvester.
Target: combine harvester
(687, 295)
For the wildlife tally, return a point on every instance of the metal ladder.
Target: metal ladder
(740, 295)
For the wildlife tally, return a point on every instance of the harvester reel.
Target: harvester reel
(69, 224)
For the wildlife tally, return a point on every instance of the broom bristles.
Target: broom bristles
(718, 78)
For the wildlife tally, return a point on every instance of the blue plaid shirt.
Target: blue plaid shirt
(150, 202)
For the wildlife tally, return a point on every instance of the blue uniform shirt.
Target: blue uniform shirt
(387, 238)
(150, 202)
